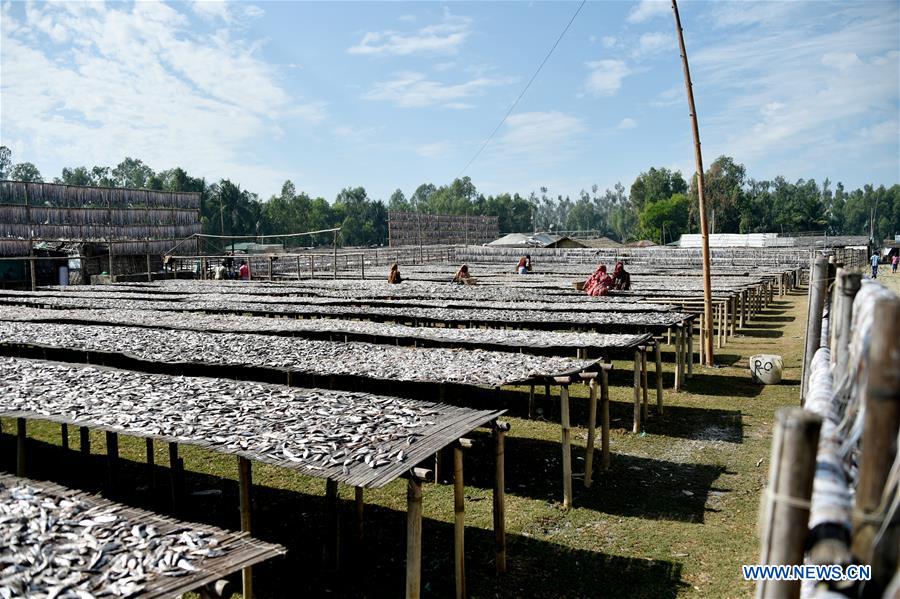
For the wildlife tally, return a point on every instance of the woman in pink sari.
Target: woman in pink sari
(598, 283)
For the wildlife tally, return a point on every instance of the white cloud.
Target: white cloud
(811, 102)
(411, 89)
(627, 123)
(538, 132)
(229, 12)
(443, 38)
(142, 84)
(407, 18)
(608, 41)
(651, 43)
(605, 77)
(433, 150)
(842, 61)
(648, 9)
(745, 14)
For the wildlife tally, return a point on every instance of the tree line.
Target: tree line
(659, 206)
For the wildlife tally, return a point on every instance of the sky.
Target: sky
(393, 95)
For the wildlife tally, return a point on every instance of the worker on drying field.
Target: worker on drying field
(522, 266)
(894, 262)
(394, 275)
(220, 272)
(244, 271)
(875, 259)
(528, 263)
(598, 283)
(462, 276)
(621, 277)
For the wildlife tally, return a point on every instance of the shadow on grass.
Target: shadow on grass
(377, 568)
(634, 486)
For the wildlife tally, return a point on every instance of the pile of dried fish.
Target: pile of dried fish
(334, 434)
(56, 546)
(614, 321)
(381, 332)
(317, 358)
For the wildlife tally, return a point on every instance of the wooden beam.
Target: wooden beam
(21, 441)
(500, 429)
(785, 515)
(566, 443)
(413, 538)
(64, 435)
(151, 466)
(636, 428)
(604, 420)
(644, 385)
(332, 532)
(244, 485)
(592, 430)
(459, 523)
(112, 460)
(659, 381)
(881, 398)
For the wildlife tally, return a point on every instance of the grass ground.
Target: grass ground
(675, 515)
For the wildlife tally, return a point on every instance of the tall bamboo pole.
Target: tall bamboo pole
(704, 226)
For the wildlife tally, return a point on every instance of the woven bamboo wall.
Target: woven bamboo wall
(137, 220)
(411, 228)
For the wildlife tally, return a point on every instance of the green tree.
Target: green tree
(25, 171)
(5, 161)
(665, 220)
(132, 173)
(654, 185)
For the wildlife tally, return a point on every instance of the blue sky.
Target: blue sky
(392, 95)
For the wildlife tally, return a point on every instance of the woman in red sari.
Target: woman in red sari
(598, 283)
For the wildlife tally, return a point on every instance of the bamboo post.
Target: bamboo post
(733, 301)
(110, 261)
(245, 483)
(64, 435)
(881, 397)
(362, 266)
(604, 419)
(786, 507)
(334, 255)
(566, 445)
(500, 429)
(644, 384)
(813, 319)
(360, 504)
(592, 431)
(636, 428)
(701, 188)
(690, 349)
(270, 267)
(531, 405)
(743, 322)
(413, 538)
(659, 381)
(175, 474)
(312, 267)
(848, 284)
(331, 546)
(85, 443)
(150, 274)
(31, 264)
(298, 267)
(459, 523)
(151, 467)
(21, 438)
(679, 357)
(702, 344)
(112, 459)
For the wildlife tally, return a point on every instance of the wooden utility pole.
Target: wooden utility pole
(707, 337)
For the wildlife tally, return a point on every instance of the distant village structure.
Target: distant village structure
(51, 233)
(413, 228)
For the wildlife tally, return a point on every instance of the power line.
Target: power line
(530, 81)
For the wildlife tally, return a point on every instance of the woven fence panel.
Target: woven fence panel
(411, 228)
